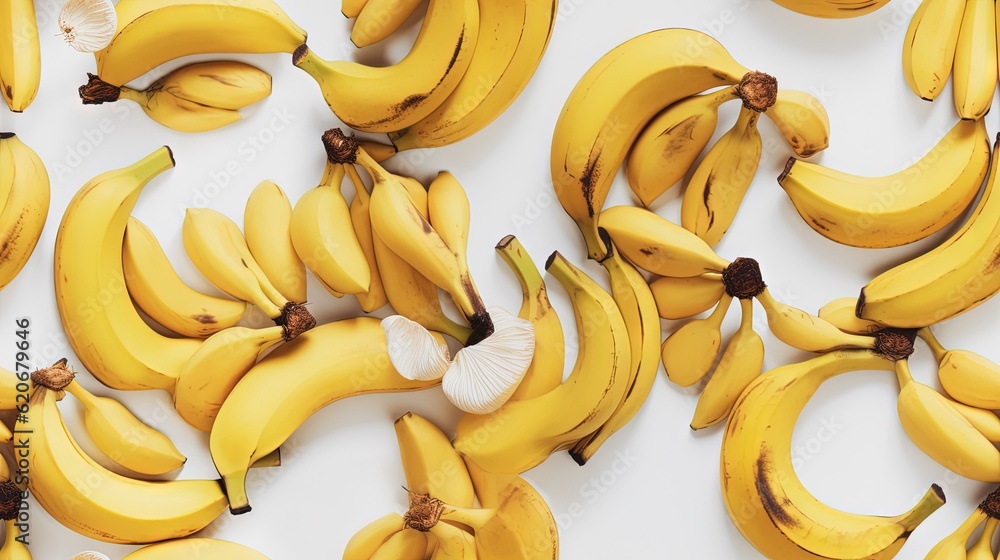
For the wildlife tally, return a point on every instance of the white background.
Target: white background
(341, 468)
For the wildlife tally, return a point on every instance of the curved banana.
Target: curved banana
(975, 66)
(13, 541)
(522, 434)
(430, 463)
(513, 36)
(929, 46)
(407, 544)
(895, 209)
(210, 375)
(614, 101)
(201, 548)
(689, 352)
(24, 189)
(984, 421)
(380, 18)
(364, 543)
(375, 298)
(109, 507)
(157, 289)
(833, 9)
(352, 8)
(948, 280)
(764, 496)
(150, 34)
(431, 71)
(966, 376)
(110, 337)
(658, 245)
(953, 546)
(452, 543)
(638, 308)
(669, 145)
(802, 120)
(267, 406)
(20, 54)
(840, 313)
(680, 298)
(982, 549)
(266, 224)
(805, 331)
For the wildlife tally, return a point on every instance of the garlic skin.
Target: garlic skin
(482, 377)
(88, 25)
(413, 351)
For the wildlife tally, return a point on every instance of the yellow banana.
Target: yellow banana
(953, 547)
(976, 60)
(805, 331)
(680, 298)
(430, 463)
(984, 421)
(929, 46)
(380, 18)
(367, 541)
(689, 352)
(453, 543)
(833, 9)
(841, 314)
(20, 54)
(351, 8)
(266, 224)
(967, 377)
(375, 297)
(802, 120)
(24, 190)
(407, 544)
(982, 549)
(200, 548)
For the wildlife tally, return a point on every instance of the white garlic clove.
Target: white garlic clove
(88, 25)
(413, 351)
(485, 375)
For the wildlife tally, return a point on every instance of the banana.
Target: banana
(200, 548)
(614, 101)
(210, 375)
(802, 120)
(976, 60)
(982, 549)
(546, 369)
(157, 289)
(99, 320)
(431, 71)
(194, 98)
(840, 313)
(266, 224)
(967, 377)
(764, 496)
(680, 298)
(658, 245)
(267, 406)
(219, 251)
(109, 507)
(740, 364)
(522, 434)
(375, 298)
(380, 18)
(953, 546)
(20, 54)
(430, 463)
(352, 8)
(833, 9)
(895, 209)
(10, 501)
(954, 277)
(149, 35)
(452, 543)
(669, 145)
(689, 352)
(24, 189)
(805, 331)
(929, 46)
(364, 543)
(407, 544)
(719, 183)
(638, 309)
(941, 432)
(984, 421)
(513, 36)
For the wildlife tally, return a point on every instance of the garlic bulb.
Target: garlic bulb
(88, 25)
(484, 376)
(413, 351)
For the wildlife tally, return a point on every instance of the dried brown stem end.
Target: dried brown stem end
(96, 91)
(991, 504)
(55, 377)
(340, 148)
(742, 278)
(894, 344)
(424, 512)
(482, 328)
(295, 319)
(758, 91)
(10, 499)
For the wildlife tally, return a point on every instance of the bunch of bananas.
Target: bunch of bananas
(24, 190)
(956, 545)
(20, 54)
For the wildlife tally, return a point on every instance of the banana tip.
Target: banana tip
(505, 242)
(300, 52)
(6, 135)
(788, 169)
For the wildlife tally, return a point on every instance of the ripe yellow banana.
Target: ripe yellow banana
(966, 376)
(210, 375)
(740, 364)
(943, 433)
(380, 18)
(984, 421)
(658, 245)
(367, 541)
(614, 101)
(100, 322)
(452, 543)
(110, 507)
(841, 314)
(513, 36)
(266, 224)
(430, 463)
(407, 544)
(954, 545)
(805, 331)
(431, 71)
(24, 190)
(157, 290)
(948, 280)
(976, 60)
(680, 298)
(200, 548)
(894, 209)
(149, 35)
(764, 496)
(267, 405)
(522, 434)
(671, 142)
(929, 46)
(802, 120)
(14, 547)
(352, 8)
(361, 219)
(638, 308)
(20, 54)
(689, 352)
(833, 9)
(982, 549)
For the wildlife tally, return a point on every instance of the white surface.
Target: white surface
(341, 468)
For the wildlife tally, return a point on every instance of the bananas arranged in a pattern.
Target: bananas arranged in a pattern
(24, 190)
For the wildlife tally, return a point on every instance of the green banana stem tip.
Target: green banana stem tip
(743, 279)
(55, 377)
(96, 91)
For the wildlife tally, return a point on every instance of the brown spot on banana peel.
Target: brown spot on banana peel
(205, 319)
(773, 505)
